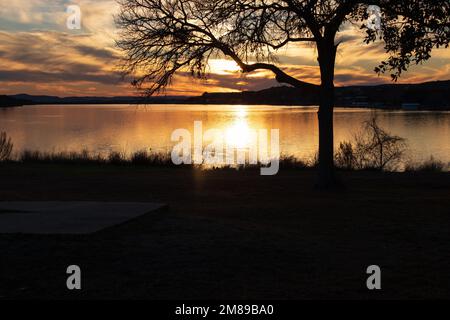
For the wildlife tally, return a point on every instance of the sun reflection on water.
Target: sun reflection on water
(239, 133)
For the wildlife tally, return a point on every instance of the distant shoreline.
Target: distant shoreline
(391, 108)
(429, 96)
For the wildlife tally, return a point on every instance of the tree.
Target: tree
(162, 37)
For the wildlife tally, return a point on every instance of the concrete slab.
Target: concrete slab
(52, 217)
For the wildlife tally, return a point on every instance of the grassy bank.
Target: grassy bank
(158, 159)
(139, 158)
(234, 234)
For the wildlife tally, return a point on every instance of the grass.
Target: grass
(139, 158)
(85, 157)
(155, 159)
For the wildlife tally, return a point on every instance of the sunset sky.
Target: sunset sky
(40, 55)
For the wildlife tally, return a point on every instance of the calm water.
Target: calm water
(105, 128)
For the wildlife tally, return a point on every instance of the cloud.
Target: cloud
(39, 55)
(49, 77)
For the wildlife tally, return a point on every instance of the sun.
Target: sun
(223, 66)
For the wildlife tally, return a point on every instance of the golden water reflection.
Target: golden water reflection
(239, 133)
(105, 128)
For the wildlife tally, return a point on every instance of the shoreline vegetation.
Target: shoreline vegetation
(163, 160)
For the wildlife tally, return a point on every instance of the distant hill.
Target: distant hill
(95, 100)
(7, 101)
(273, 96)
(430, 95)
(426, 96)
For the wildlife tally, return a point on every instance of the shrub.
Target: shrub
(6, 146)
(144, 157)
(117, 158)
(431, 165)
(345, 156)
(373, 148)
(379, 149)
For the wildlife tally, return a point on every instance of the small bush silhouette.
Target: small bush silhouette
(6, 146)
(144, 157)
(117, 158)
(373, 148)
(345, 156)
(431, 165)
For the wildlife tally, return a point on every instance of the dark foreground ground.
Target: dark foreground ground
(235, 235)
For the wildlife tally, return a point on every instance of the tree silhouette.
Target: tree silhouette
(161, 37)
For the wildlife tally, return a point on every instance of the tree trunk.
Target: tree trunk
(327, 58)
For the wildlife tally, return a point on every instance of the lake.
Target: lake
(124, 128)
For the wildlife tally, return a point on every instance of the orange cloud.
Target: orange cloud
(39, 56)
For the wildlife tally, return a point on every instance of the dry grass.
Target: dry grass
(155, 159)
